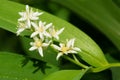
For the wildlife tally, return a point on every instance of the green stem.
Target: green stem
(105, 67)
(75, 62)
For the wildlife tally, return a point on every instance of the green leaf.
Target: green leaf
(103, 14)
(11, 68)
(92, 54)
(115, 70)
(67, 75)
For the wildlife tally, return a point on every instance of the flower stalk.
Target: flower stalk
(75, 62)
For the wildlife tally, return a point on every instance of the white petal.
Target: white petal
(35, 14)
(20, 30)
(60, 31)
(21, 13)
(61, 44)
(31, 43)
(56, 37)
(40, 51)
(33, 48)
(40, 24)
(45, 44)
(48, 25)
(22, 19)
(47, 34)
(70, 43)
(58, 56)
(71, 51)
(34, 34)
(27, 8)
(41, 36)
(40, 13)
(34, 18)
(56, 47)
(34, 25)
(66, 53)
(29, 23)
(35, 38)
(76, 49)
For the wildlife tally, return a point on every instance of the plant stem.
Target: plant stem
(75, 62)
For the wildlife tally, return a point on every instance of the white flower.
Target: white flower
(29, 16)
(21, 27)
(41, 29)
(66, 48)
(55, 33)
(38, 44)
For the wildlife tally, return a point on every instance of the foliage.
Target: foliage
(25, 65)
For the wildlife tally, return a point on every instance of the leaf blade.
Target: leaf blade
(82, 40)
(66, 75)
(11, 68)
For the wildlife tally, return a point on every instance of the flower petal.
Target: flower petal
(37, 14)
(70, 43)
(34, 25)
(76, 49)
(22, 19)
(31, 43)
(40, 24)
(32, 48)
(27, 8)
(48, 25)
(45, 44)
(21, 13)
(29, 23)
(58, 56)
(20, 30)
(47, 34)
(61, 44)
(56, 47)
(56, 37)
(41, 36)
(34, 34)
(60, 31)
(34, 18)
(35, 38)
(40, 50)
(71, 51)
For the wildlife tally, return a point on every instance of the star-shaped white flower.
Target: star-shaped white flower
(21, 27)
(38, 44)
(55, 33)
(41, 29)
(66, 48)
(29, 16)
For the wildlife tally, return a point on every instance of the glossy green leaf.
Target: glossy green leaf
(92, 54)
(66, 75)
(11, 68)
(103, 14)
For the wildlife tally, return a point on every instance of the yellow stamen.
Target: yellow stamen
(38, 43)
(64, 49)
(41, 29)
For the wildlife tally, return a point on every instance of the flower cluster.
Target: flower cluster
(43, 34)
